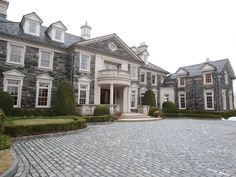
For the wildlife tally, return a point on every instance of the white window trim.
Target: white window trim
(18, 78)
(224, 101)
(40, 59)
(9, 54)
(27, 27)
(134, 88)
(204, 78)
(226, 77)
(48, 81)
(54, 29)
(136, 73)
(87, 91)
(205, 99)
(145, 77)
(231, 104)
(181, 93)
(155, 91)
(143, 90)
(179, 81)
(89, 62)
(155, 79)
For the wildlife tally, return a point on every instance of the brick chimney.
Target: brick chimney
(3, 8)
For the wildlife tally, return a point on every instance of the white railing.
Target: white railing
(113, 73)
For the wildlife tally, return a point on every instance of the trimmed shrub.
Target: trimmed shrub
(101, 110)
(2, 118)
(106, 118)
(149, 98)
(29, 112)
(191, 115)
(22, 130)
(6, 103)
(65, 99)
(5, 142)
(152, 111)
(169, 107)
(231, 113)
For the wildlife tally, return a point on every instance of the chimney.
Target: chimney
(86, 31)
(207, 60)
(142, 47)
(3, 8)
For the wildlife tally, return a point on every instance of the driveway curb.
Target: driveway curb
(13, 169)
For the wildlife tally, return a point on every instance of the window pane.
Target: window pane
(133, 71)
(32, 27)
(82, 99)
(58, 34)
(45, 59)
(153, 79)
(13, 91)
(43, 97)
(208, 78)
(133, 100)
(84, 62)
(209, 100)
(16, 54)
(142, 77)
(182, 81)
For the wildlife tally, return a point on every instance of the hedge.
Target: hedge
(101, 110)
(169, 107)
(149, 98)
(191, 115)
(5, 142)
(106, 118)
(2, 119)
(152, 111)
(21, 130)
(29, 112)
(6, 103)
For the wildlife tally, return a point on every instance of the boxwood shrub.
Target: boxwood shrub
(22, 130)
(5, 142)
(6, 103)
(152, 111)
(105, 118)
(192, 115)
(169, 107)
(101, 110)
(2, 118)
(29, 112)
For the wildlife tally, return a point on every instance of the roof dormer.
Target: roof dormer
(56, 31)
(31, 24)
(207, 67)
(181, 72)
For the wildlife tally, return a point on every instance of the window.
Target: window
(45, 59)
(16, 54)
(13, 87)
(143, 77)
(181, 81)
(32, 27)
(231, 105)
(208, 78)
(226, 78)
(142, 93)
(83, 93)
(109, 65)
(182, 100)
(43, 92)
(209, 99)
(133, 99)
(133, 72)
(224, 99)
(84, 62)
(153, 79)
(58, 35)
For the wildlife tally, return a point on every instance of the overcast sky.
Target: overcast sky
(178, 32)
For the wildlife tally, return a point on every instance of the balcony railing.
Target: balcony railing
(113, 74)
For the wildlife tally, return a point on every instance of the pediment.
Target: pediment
(59, 25)
(84, 79)
(13, 73)
(207, 67)
(32, 16)
(181, 71)
(44, 77)
(101, 44)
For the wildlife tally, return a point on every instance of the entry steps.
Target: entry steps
(136, 117)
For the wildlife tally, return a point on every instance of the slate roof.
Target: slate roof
(13, 29)
(195, 70)
(150, 65)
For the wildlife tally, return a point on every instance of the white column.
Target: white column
(128, 99)
(111, 97)
(125, 104)
(97, 95)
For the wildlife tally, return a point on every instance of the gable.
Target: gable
(59, 25)
(32, 16)
(84, 79)
(13, 73)
(181, 71)
(44, 77)
(101, 45)
(207, 67)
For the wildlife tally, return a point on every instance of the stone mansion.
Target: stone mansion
(102, 70)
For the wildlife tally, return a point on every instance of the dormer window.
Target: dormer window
(31, 24)
(207, 78)
(181, 81)
(56, 31)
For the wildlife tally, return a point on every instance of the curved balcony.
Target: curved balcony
(114, 76)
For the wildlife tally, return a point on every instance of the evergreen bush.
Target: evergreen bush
(149, 98)
(152, 111)
(101, 110)
(65, 99)
(169, 107)
(2, 118)
(6, 103)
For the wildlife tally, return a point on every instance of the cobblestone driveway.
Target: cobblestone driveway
(142, 149)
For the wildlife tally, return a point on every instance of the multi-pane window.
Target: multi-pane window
(182, 101)
(108, 65)
(209, 100)
(46, 59)
(13, 88)
(208, 78)
(15, 54)
(32, 27)
(58, 35)
(133, 98)
(142, 77)
(226, 77)
(83, 93)
(181, 81)
(43, 94)
(133, 72)
(153, 79)
(84, 62)
(142, 97)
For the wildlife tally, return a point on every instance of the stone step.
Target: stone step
(139, 120)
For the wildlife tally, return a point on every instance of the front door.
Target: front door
(105, 96)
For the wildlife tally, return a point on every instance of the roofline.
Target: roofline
(30, 14)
